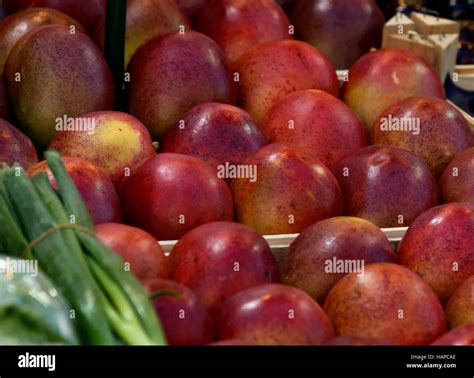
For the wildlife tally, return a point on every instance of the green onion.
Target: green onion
(62, 261)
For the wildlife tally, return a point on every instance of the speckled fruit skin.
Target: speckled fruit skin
(146, 19)
(270, 71)
(238, 25)
(343, 30)
(344, 238)
(355, 340)
(460, 307)
(273, 314)
(137, 247)
(87, 12)
(292, 190)
(15, 147)
(94, 185)
(384, 77)
(61, 74)
(321, 123)
(436, 143)
(215, 133)
(17, 25)
(119, 143)
(196, 326)
(172, 74)
(381, 183)
(170, 194)
(463, 335)
(437, 239)
(388, 301)
(219, 259)
(457, 181)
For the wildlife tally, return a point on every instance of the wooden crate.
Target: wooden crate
(280, 243)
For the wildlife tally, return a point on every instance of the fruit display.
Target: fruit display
(273, 314)
(219, 259)
(291, 190)
(300, 66)
(51, 73)
(208, 178)
(384, 77)
(170, 194)
(327, 25)
(439, 247)
(224, 21)
(308, 260)
(457, 182)
(138, 248)
(19, 24)
(16, 147)
(438, 134)
(94, 184)
(172, 74)
(317, 121)
(86, 12)
(184, 318)
(216, 133)
(386, 185)
(460, 307)
(387, 301)
(114, 141)
(145, 19)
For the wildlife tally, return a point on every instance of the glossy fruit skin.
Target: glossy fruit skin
(342, 30)
(138, 248)
(440, 237)
(17, 25)
(195, 328)
(386, 185)
(88, 13)
(460, 307)
(300, 66)
(61, 74)
(321, 123)
(273, 314)
(457, 181)
(435, 143)
(15, 147)
(118, 143)
(172, 74)
(215, 133)
(388, 301)
(356, 341)
(219, 259)
(170, 194)
(463, 335)
(291, 191)
(146, 19)
(94, 185)
(237, 25)
(304, 265)
(382, 78)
